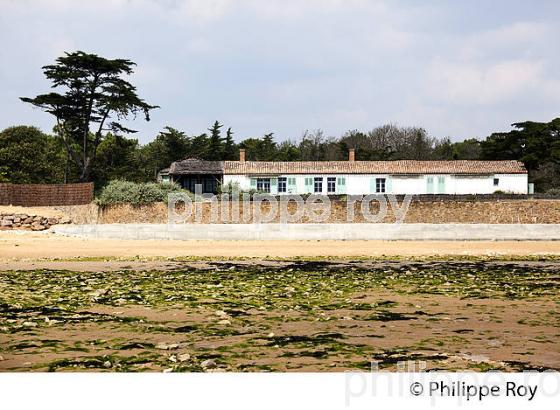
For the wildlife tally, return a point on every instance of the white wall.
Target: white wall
(361, 184)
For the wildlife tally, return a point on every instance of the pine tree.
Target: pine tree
(215, 147)
(230, 150)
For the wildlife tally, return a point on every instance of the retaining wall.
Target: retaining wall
(355, 231)
(526, 211)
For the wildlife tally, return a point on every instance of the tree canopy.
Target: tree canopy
(93, 100)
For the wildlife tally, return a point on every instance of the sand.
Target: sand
(29, 246)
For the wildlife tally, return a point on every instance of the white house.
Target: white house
(354, 177)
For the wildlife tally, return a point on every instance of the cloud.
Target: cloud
(289, 65)
(462, 83)
(518, 38)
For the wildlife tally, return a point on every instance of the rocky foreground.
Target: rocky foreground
(29, 221)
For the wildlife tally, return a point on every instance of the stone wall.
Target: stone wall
(524, 211)
(46, 194)
(29, 221)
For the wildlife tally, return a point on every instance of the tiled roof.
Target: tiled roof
(374, 167)
(196, 166)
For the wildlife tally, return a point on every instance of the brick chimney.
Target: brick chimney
(351, 155)
(242, 155)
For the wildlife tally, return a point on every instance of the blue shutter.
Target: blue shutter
(372, 185)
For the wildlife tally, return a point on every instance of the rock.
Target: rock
(165, 346)
(17, 220)
(183, 357)
(221, 313)
(209, 364)
(7, 222)
(28, 220)
(52, 221)
(1, 357)
(29, 324)
(107, 364)
(65, 220)
(100, 293)
(38, 227)
(8, 218)
(224, 322)
(270, 335)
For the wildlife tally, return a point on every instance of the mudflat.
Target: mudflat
(266, 315)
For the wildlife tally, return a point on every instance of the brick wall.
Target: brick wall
(46, 194)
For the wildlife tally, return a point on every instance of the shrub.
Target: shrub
(553, 192)
(119, 191)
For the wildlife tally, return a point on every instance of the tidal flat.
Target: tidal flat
(298, 315)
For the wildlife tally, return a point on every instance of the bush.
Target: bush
(553, 192)
(118, 192)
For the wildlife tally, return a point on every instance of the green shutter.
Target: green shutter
(441, 185)
(389, 185)
(273, 186)
(430, 185)
(341, 185)
(291, 185)
(253, 183)
(308, 184)
(372, 185)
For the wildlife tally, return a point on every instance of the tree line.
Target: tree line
(91, 98)
(27, 155)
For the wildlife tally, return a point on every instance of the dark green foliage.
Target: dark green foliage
(229, 151)
(215, 143)
(28, 156)
(170, 145)
(116, 159)
(536, 144)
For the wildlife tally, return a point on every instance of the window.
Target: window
(331, 185)
(379, 185)
(263, 185)
(282, 184)
(496, 181)
(318, 185)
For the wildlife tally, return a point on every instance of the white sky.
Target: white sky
(458, 68)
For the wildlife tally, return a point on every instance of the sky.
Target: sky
(459, 69)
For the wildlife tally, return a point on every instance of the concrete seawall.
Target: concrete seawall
(355, 231)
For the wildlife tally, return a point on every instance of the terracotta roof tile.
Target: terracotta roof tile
(374, 167)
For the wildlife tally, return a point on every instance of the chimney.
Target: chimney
(242, 155)
(352, 155)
